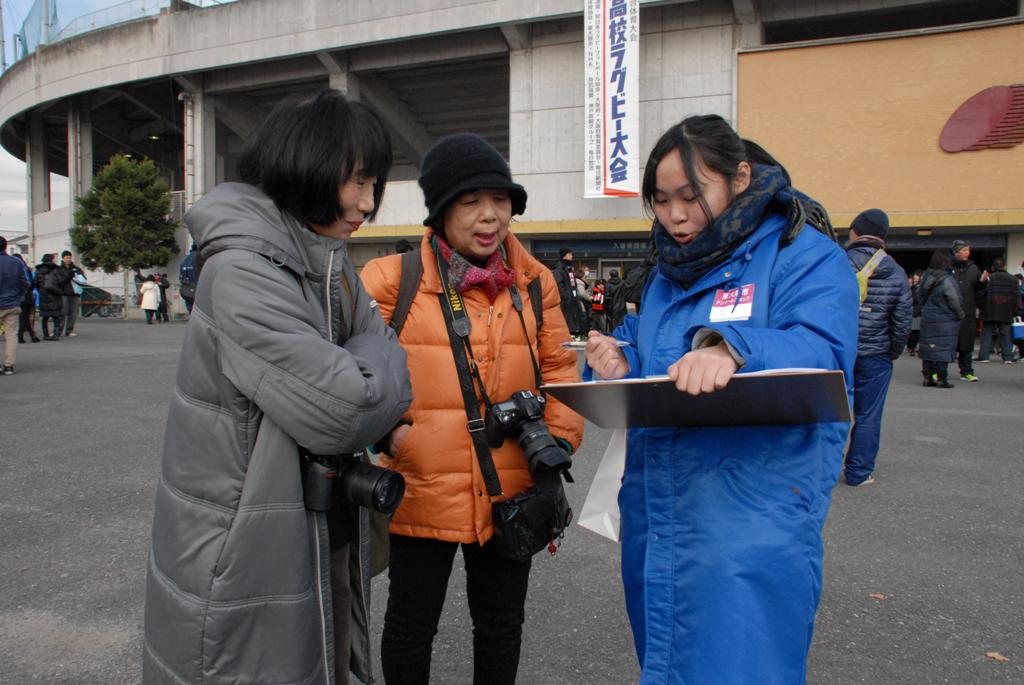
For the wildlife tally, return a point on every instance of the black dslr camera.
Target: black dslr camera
(356, 481)
(522, 417)
(528, 522)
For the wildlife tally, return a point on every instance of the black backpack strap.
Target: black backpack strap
(412, 271)
(801, 211)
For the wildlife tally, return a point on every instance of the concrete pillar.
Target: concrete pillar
(1014, 252)
(80, 158)
(346, 82)
(200, 144)
(520, 112)
(37, 170)
(339, 76)
(188, 154)
(205, 143)
(38, 166)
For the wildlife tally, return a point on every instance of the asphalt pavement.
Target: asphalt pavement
(924, 570)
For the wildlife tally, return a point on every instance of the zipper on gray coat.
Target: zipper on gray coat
(327, 296)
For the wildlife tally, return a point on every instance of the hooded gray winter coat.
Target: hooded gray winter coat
(284, 349)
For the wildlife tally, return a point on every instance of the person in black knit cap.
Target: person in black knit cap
(885, 317)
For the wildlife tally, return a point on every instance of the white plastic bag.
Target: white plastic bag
(601, 508)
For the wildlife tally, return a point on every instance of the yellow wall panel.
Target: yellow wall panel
(857, 124)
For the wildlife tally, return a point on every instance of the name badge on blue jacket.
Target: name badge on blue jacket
(732, 305)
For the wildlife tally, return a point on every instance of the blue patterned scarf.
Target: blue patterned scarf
(685, 264)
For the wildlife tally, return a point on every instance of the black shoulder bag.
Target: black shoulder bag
(529, 521)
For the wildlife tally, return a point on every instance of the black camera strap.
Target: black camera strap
(458, 325)
(517, 302)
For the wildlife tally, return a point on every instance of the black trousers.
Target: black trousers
(939, 369)
(912, 340)
(58, 326)
(496, 590)
(965, 360)
(71, 305)
(27, 322)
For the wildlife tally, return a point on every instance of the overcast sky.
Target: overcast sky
(13, 183)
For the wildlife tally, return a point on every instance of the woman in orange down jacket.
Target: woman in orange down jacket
(470, 197)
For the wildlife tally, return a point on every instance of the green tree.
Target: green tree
(122, 222)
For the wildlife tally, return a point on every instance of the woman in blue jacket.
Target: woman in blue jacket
(721, 527)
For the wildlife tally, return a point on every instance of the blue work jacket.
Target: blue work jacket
(721, 527)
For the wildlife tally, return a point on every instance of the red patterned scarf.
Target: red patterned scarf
(492, 277)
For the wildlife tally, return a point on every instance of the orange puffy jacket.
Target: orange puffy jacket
(445, 497)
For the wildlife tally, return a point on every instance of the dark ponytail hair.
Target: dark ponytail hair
(708, 138)
(942, 260)
(758, 155)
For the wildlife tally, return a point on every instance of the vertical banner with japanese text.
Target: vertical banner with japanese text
(612, 164)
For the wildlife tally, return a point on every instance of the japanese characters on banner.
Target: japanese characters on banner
(612, 167)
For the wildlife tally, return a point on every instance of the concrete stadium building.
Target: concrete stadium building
(852, 96)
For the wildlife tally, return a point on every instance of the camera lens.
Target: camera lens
(371, 486)
(541, 450)
(388, 492)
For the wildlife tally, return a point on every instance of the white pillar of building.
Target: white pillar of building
(205, 143)
(338, 75)
(200, 136)
(79, 149)
(520, 112)
(37, 169)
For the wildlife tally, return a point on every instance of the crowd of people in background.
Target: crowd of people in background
(50, 295)
(588, 304)
(151, 296)
(950, 297)
(987, 303)
(53, 290)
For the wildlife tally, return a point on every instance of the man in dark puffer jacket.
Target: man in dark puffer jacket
(968, 276)
(1002, 297)
(885, 317)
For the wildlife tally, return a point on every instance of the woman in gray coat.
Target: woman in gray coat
(285, 362)
(941, 312)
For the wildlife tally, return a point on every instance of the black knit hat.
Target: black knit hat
(871, 222)
(462, 163)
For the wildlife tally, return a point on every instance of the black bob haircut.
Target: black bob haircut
(307, 148)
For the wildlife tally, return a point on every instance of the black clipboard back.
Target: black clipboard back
(774, 397)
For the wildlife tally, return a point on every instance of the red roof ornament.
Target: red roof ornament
(992, 118)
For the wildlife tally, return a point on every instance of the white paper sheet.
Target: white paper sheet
(600, 512)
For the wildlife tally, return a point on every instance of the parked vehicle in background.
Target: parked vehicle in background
(101, 302)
